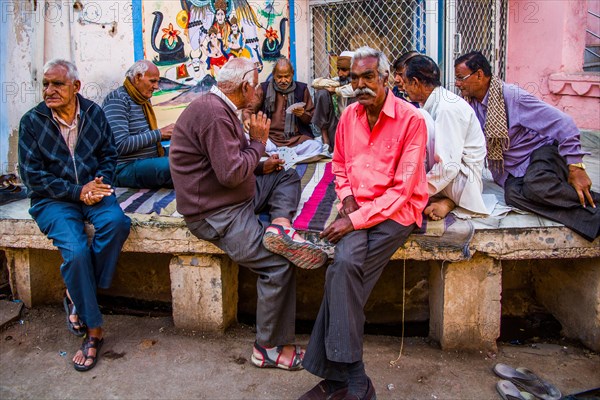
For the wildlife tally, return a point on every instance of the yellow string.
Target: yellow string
(392, 363)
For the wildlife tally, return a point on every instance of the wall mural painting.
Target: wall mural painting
(189, 40)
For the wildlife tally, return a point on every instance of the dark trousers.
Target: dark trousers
(545, 190)
(85, 266)
(238, 231)
(337, 336)
(149, 173)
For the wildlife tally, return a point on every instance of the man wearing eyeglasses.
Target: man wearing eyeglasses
(221, 185)
(455, 150)
(533, 149)
(378, 162)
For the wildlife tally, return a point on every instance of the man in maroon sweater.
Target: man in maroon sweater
(221, 185)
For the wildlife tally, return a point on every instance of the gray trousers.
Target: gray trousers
(337, 336)
(238, 231)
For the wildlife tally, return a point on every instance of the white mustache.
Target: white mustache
(364, 91)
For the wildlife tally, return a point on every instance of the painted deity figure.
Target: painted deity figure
(235, 41)
(216, 53)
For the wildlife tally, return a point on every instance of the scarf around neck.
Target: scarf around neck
(290, 118)
(496, 127)
(138, 98)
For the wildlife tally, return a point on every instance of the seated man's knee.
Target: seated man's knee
(76, 255)
(345, 264)
(290, 175)
(117, 223)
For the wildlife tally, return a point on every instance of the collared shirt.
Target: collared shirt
(532, 124)
(458, 146)
(215, 90)
(69, 131)
(383, 168)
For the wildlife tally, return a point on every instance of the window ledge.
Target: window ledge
(586, 84)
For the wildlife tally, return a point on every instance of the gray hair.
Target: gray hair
(234, 73)
(282, 62)
(383, 65)
(72, 73)
(138, 68)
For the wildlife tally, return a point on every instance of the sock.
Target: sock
(359, 382)
(333, 386)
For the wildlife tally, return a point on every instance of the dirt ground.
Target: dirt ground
(147, 358)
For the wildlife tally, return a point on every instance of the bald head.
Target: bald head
(283, 73)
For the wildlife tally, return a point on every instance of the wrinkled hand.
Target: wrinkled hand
(298, 111)
(166, 132)
(259, 127)
(94, 191)
(337, 230)
(582, 184)
(349, 205)
(272, 164)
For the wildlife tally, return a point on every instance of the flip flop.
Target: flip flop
(70, 310)
(528, 381)
(508, 391)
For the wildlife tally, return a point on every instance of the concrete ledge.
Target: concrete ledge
(465, 306)
(170, 236)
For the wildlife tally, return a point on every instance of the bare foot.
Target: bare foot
(438, 209)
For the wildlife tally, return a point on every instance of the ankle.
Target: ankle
(95, 332)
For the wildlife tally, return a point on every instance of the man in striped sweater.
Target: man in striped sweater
(141, 162)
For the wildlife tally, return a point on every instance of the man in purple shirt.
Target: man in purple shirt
(534, 149)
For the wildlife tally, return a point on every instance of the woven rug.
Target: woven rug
(316, 210)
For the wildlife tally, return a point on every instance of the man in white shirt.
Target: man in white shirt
(456, 151)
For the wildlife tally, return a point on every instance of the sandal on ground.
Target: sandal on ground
(303, 254)
(527, 381)
(264, 357)
(89, 343)
(508, 391)
(76, 328)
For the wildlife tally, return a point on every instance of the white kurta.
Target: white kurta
(456, 151)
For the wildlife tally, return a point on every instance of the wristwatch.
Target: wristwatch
(578, 165)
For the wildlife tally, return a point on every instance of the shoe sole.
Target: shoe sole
(305, 255)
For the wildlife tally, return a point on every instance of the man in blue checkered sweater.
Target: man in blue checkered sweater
(67, 160)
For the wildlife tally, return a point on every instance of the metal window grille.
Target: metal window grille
(398, 26)
(391, 26)
(481, 25)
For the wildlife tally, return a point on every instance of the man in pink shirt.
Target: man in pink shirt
(380, 179)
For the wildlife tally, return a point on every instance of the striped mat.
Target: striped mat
(316, 210)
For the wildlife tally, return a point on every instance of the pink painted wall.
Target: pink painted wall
(546, 38)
